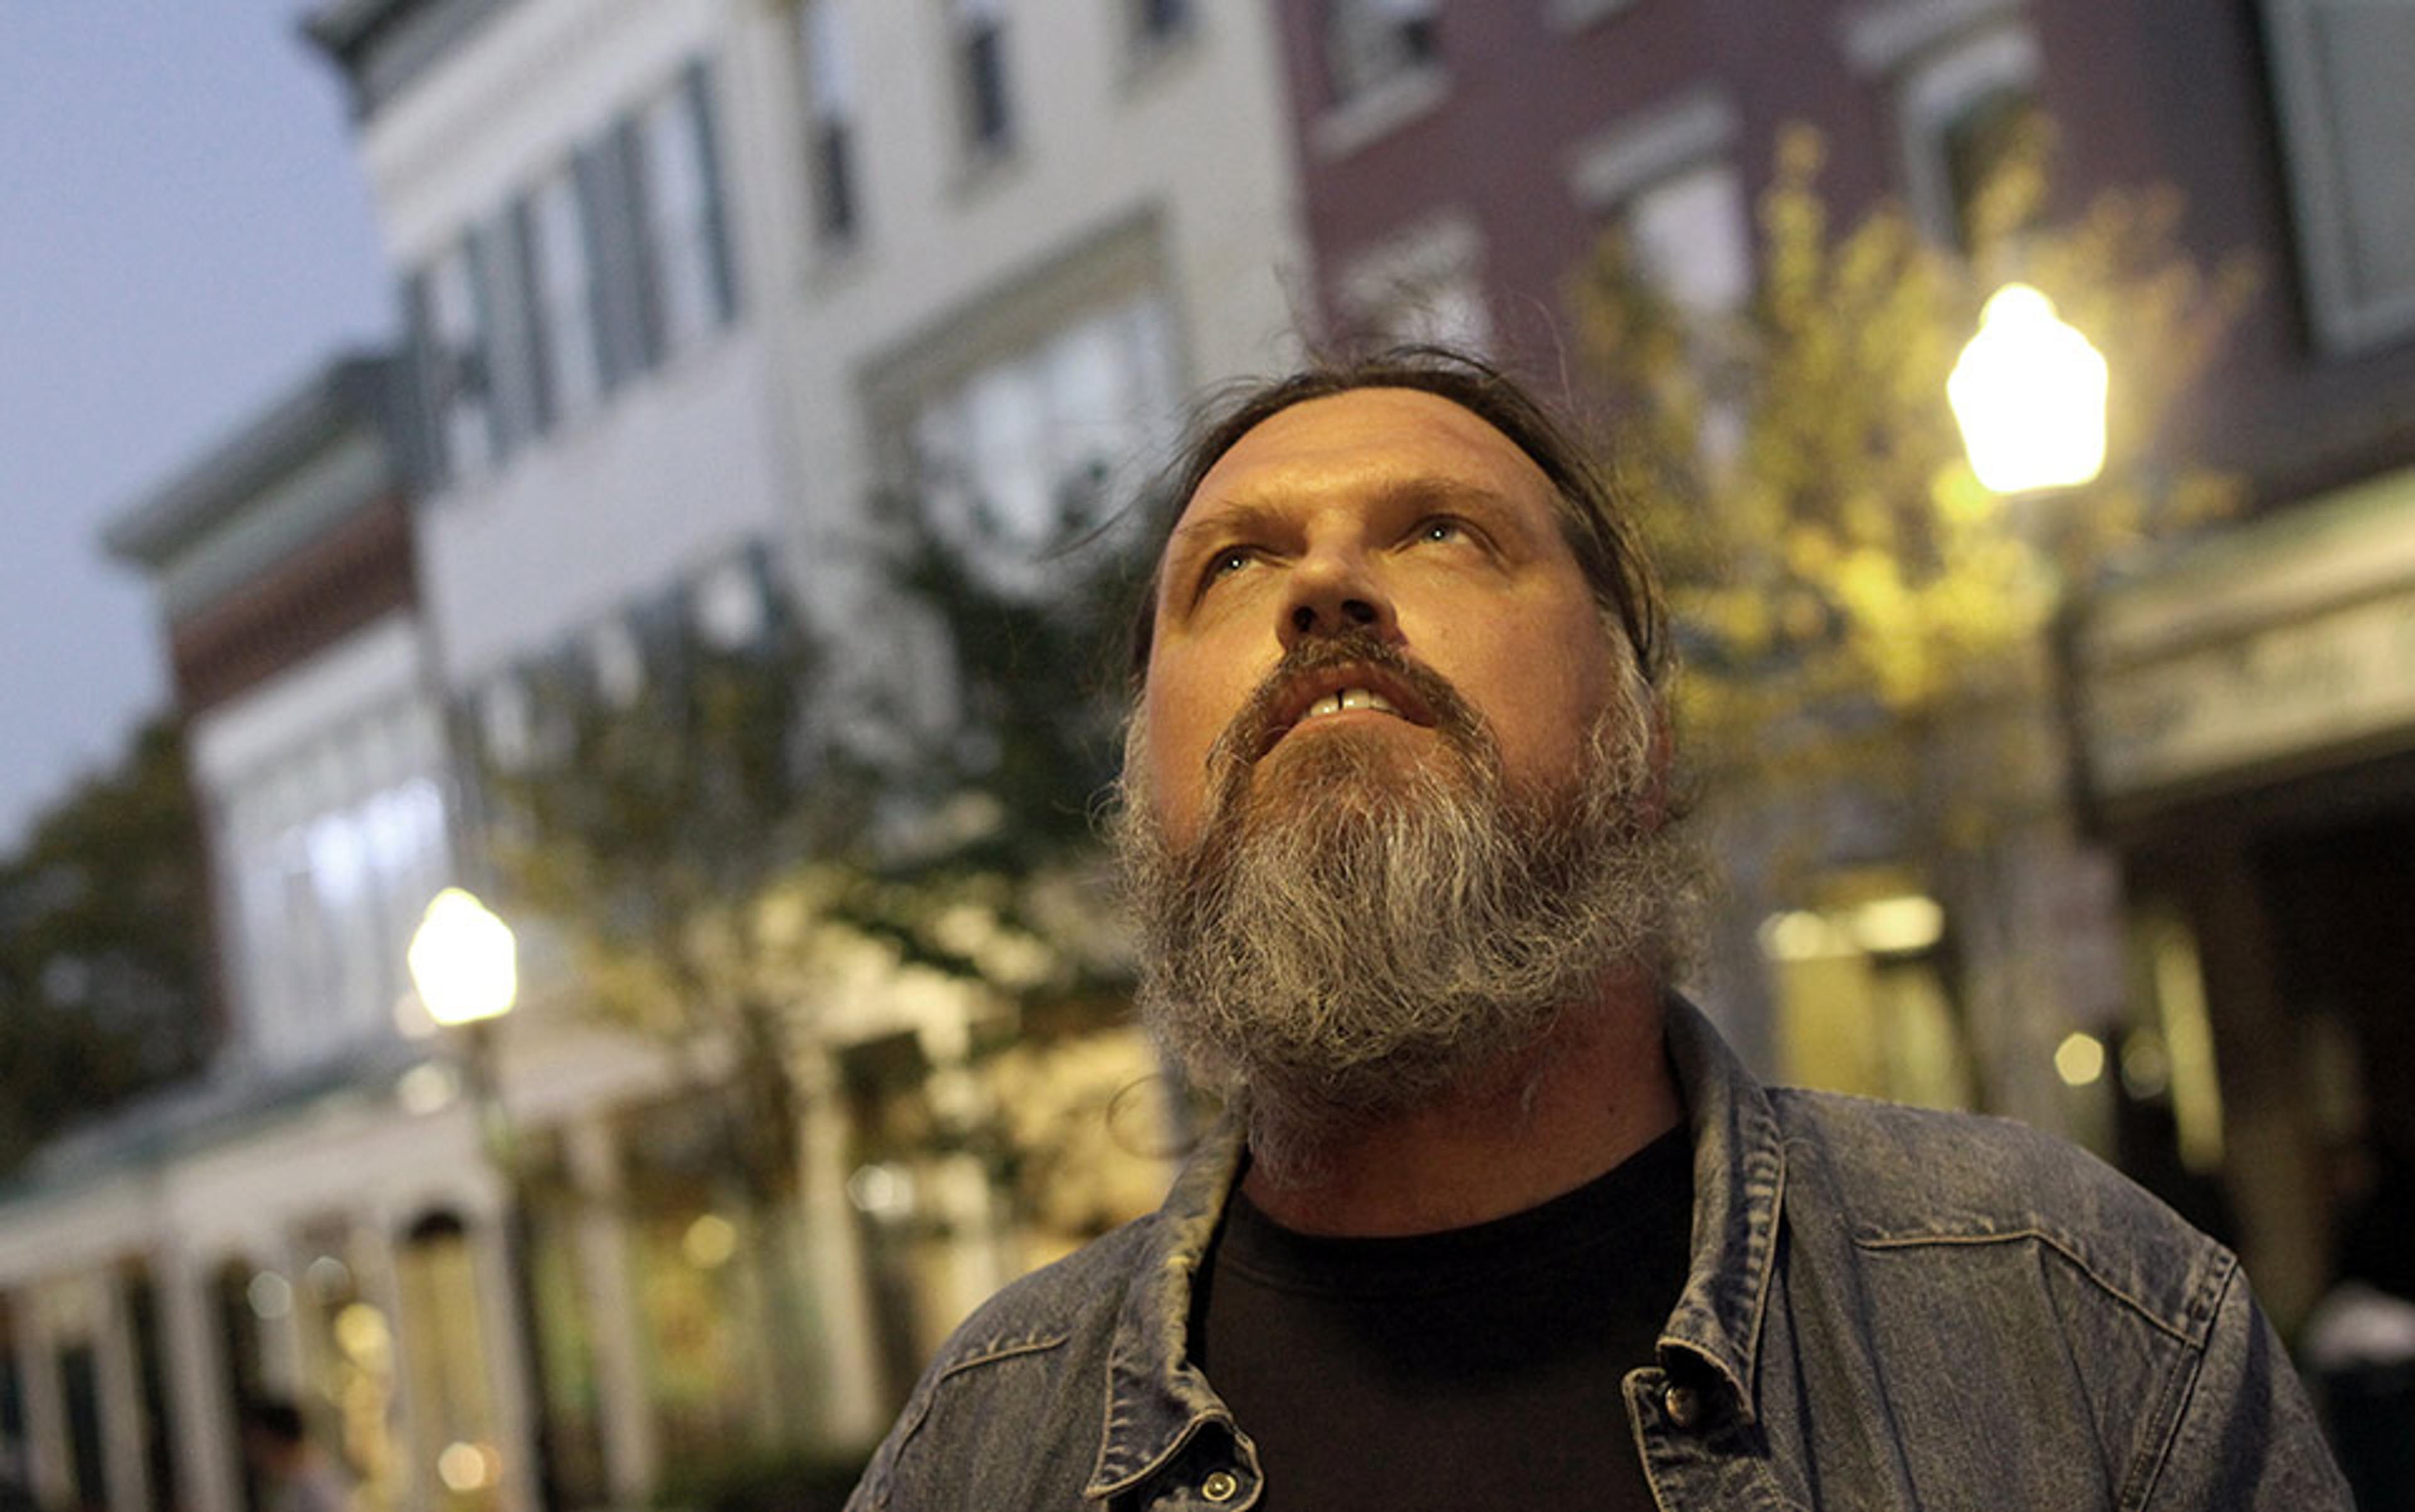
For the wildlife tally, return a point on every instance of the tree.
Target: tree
(1859, 615)
(105, 988)
(742, 828)
(644, 823)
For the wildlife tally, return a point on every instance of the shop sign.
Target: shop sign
(2344, 675)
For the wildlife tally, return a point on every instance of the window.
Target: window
(562, 282)
(2340, 71)
(686, 237)
(728, 604)
(516, 345)
(1045, 439)
(981, 51)
(1689, 236)
(331, 853)
(1424, 285)
(608, 264)
(477, 345)
(613, 198)
(830, 115)
(1159, 20)
(536, 388)
(458, 364)
(617, 662)
(1576, 15)
(1663, 187)
(1959, 108)
(1369, 42)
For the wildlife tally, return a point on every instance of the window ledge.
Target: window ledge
(1149, 56)
(1576, 15)
(1379, 112)
(2344, 328)
(832, 263)
(982, 167)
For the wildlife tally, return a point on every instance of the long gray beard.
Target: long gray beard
(1350, 943)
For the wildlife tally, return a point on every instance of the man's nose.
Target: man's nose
(1332, 592)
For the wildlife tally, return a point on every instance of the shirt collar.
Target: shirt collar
(1158, 1400)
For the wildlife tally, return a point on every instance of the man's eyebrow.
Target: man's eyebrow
(1253, 514)
(1229, 518)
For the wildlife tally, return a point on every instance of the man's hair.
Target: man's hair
(1597, 529)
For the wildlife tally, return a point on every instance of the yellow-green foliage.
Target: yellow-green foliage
(1841, 579)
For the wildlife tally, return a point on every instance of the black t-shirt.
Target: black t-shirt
(1475, 1367)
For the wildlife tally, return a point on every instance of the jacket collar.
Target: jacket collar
(1739, 1189)
(1158, 1402)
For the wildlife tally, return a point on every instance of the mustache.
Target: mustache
(1262, 719)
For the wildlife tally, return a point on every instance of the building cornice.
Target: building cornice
(350, 393)
(381, 46)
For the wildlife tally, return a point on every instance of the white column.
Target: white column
(852, 1416)
(195, 1366)
(378, 1276)
(500, 1327)
(978, 1260)
(117, 1375)
(632, 1453)
(282, 1370)
(47, 1462)
(418, 1425)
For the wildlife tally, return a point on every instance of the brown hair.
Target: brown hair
(1599, 531)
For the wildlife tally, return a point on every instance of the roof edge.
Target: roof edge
(353, 387)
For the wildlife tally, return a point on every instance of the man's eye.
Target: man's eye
(1226, 562)
(1441, 530)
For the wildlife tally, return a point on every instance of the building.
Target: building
(2209, 902)
(1464, 165)
(2244, 717)
(309, 1219)
(697, 294)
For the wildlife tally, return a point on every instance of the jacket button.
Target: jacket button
(1684, 1404)
(1220, 1486)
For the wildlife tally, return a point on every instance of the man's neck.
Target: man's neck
(1592, 1093)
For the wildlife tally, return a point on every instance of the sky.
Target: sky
(184, 235)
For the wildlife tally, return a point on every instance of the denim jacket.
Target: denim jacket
(1887, 1308)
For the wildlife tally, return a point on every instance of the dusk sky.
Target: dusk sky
(183, 234)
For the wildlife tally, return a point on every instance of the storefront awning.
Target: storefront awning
(2283, 646)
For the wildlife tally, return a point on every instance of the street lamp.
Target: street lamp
(465, 963)
(2029, 393)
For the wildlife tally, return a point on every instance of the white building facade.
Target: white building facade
(691, 286)
(688, 288)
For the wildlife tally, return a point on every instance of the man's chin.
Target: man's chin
(1359, 762)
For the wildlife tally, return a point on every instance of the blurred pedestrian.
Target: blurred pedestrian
(15, 1494)
(294, 1475)
(2359, 1344)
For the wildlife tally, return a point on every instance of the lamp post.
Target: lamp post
(2029, 393)
(465, 963)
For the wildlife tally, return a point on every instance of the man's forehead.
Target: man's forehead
(1385, 442)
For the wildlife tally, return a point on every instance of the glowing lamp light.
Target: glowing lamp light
(463, 960)
(2029, 393)
(2079, 1060)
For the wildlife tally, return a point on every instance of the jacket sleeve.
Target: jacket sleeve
(2245, 1436)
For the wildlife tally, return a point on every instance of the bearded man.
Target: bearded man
(1494, 1218)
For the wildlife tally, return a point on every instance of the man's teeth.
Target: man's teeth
(1333, 703)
